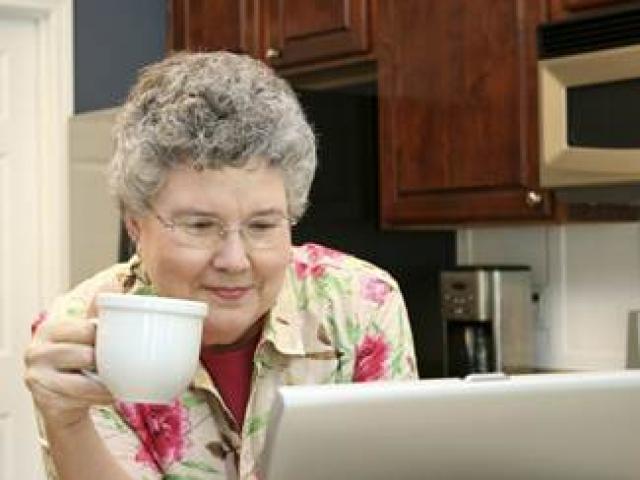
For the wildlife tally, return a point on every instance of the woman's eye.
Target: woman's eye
(261, 225)
(199, 225)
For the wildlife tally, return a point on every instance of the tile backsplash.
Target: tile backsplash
(587, 277)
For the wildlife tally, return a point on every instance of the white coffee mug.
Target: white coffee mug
(147, 347)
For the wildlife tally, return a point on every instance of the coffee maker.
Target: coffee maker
(488, 319)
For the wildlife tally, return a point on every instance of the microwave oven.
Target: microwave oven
(589, 99)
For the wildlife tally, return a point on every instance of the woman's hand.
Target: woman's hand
(54, 362)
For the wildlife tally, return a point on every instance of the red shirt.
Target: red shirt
(231, 371)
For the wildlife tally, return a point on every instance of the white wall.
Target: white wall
(94, 220)
(588, 278)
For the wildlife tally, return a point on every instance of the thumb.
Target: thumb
(113, 287)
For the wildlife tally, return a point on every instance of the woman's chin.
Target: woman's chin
(225, 330)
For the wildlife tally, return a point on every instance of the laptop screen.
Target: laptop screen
(544, 426)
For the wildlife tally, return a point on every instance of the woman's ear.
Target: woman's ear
(133, 227)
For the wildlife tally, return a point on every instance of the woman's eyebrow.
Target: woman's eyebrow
(197, 212)
(194, 212)
(267, 211)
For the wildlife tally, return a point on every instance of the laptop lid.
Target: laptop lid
(546, 426)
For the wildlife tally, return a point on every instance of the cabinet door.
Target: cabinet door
(307, 31)
(559, 9)
(458, 115)
(206, 25)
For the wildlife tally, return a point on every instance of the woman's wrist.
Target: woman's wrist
(67, 425)
(78, 452)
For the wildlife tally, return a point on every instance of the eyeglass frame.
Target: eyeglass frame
(222, 230)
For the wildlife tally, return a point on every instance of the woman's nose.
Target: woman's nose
(231, 255)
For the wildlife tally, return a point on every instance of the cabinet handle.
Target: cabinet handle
(272, 53)
(533, 198)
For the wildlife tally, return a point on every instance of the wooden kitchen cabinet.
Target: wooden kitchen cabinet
(561, 9)
(307, 32)
(206, 25)
(294, 36)
(458, 117)
(457, 93)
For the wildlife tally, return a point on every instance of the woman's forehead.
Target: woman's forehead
(220, 190)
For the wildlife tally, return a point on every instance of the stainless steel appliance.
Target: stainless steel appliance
(488, 319)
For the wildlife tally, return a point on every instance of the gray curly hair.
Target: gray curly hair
(212, 110)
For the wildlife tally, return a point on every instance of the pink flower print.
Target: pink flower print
(375, 289)
(313, 265)
(316, 252)
(371, 357)
(41, 317)
(304, 270)
(161, 429)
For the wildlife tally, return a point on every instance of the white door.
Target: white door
(33, 104)
(19, 454)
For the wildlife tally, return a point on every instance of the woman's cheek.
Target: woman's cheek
(177, 274)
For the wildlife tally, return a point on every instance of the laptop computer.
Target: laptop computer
(540, 426)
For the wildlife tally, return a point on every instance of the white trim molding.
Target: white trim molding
(53, 20)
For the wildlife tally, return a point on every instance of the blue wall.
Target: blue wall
(112, 40)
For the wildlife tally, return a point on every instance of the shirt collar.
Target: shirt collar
(291, 327)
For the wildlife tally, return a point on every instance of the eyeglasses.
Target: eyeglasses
(204, 232)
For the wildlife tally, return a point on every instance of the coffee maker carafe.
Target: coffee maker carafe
(488, 319)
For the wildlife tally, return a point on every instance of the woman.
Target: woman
(213, 164)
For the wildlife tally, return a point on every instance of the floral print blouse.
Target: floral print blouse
(337, 319)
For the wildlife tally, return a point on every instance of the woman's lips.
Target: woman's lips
(229, 293)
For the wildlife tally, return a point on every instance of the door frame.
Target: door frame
(53, 20)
